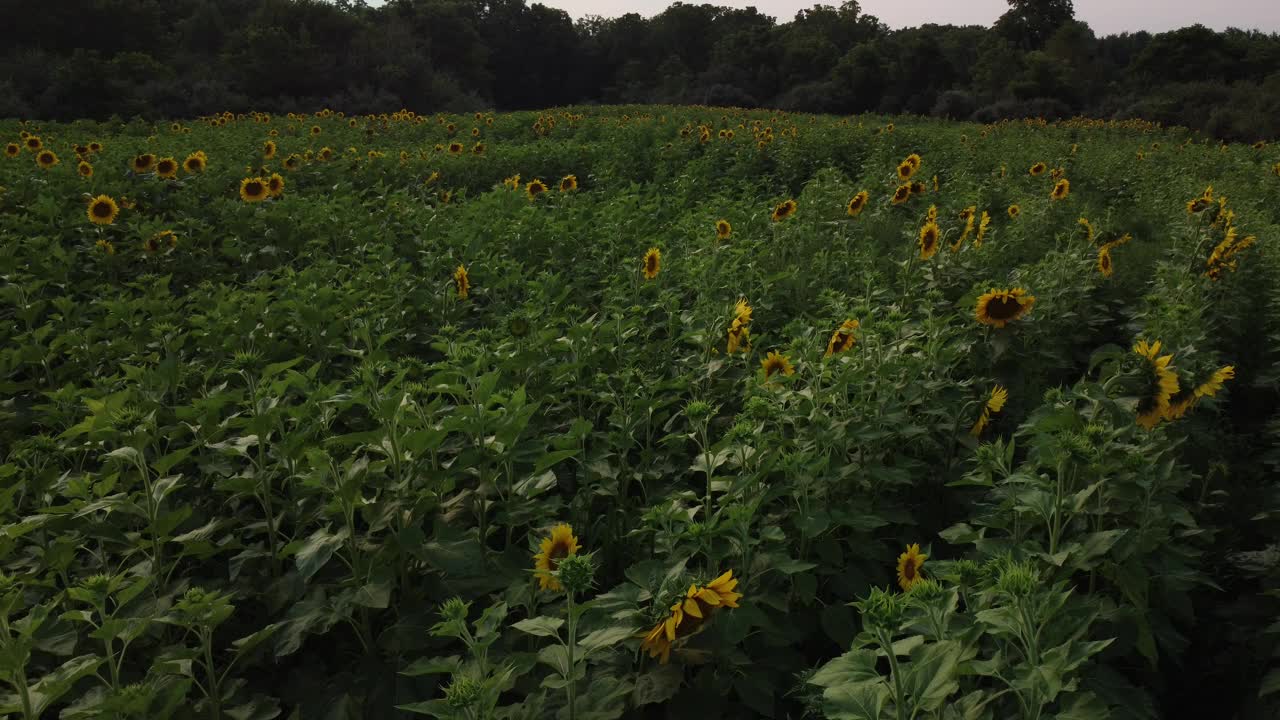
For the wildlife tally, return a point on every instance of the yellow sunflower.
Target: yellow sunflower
(909, 564)
(105, 246)
(167, 168)
(994, 404)
(1088, 228)
(253, 190)
(85, 169)
(652, 263)
(33, 143)
(195, 163)
(857, 203)
(143, 163)
(1000, 307)
(1210, 387)
(568, 183)
(103, 210)
(325, 154)
(723, 229)
(462, 282)
(906, 170)
(535, 188)
(1038, 169)
(557, 546)
(983, 224)
(315, 131)
(166, 238)
(1154, 404)
(739, 332)
(293, 162)
(275, 185)
(268, 149)
(1061, 189)
(12, 150)
(775, 363)
(783, 211)
(47, 159)
(901, 194)
(1180, 403)
(1014, 211)
(455, 148)
(1104, 262)
(929, 235)
(690, 614)
(95, 147)
(842, 339)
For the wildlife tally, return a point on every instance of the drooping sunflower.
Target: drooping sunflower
(268, 149)
(652, 263)
(47, 159)
(275, 185)
(1061, 189)
(857, 203)
(143, 163)
(909, 564)
(1163, 384)
(994, 404)
(12, 150)
(558, 545)
(167, 168)
(195, 163)
(103, 210)
(983, 224)
(928, 240)
(1104, 262)
(253, 190)
(723, 229)
(1038, 169)
(998, 308)
(842, 339)
(901, 194)
(293, 162)
(739, 330)
(167, 238)
(1014, 211)
(775, 363)
(1180, 403)
(783, 211)
(568, 183)
(462, 282)
(1210, 387)
(690, 614)
(1088, 228)
(85, 169)
(535, 188)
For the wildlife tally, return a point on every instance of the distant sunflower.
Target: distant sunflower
(1061, 189)
(85, 169)
(775, 363)
(462, 282)
(1088, 228)
(917, 188)
(1038, 169)
(535, 188)
(998, 308)
(268, 149)
(568, 183)
(95, 147)
(909, 564)
(275, 185)
(1199, 204)
(928, 239)
(293, 162)
(783, 211)
(455, 148)
(33, 143)
(1210, 387)
(47, 159)
(652, 263)
(167, 168)
(478, 149)
(901, 194)
(739, 330)
(1014, 211)
(105, 246)
(842, 339)
(914, 160)
(253, 190)
(1163, 384)
(905, 170)
(315, 131)
(857, 203)
(103, 210)
(983, 224)
(143, 163)
(195, 163)
(12, 150)
(723, 229)
(560, 544)
(994, 404)
(1104, 262)
(167, 238)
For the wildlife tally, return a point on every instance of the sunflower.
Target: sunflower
(568, 182)
(143, 163)
(775, 363)
(95, 147)
(901, 194)
(253, 190)
(85, 169)
(652, 263)
(1163, 384)
(293, 162)
(195, 163)
(983, 224)
(1198, 205)
(931, 215)
(1058, 172)
(462, 282)
(33, 143)
(535, 188)
(1061, 189)
(560, 544)
(842, 339)
(151, 245)
(268, 149)
(176, 127)
(455, 148)
(1210, 387)
(928, 240)
(690, 614)
(723, 229)
(1104, 262)
(739, 330)
(1180, 403)
(994, 404)
(909, 564)
(1014, 211)
(783, 211)
(103, 210)
(105, 246)
(1000, 307)
(12, 150)
(857, 203)
(315, 131)
(1088, 228)
(166, 238)
(167, 168)
(906, 170)
(47, 159)
(477, 149)
(1038, 169)
(917, 188)
(275, 185)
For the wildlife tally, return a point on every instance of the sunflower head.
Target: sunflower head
(455, 148)
(857, 203)
(33, 143)
(253, 190)
(85, 169)
(775, 363)
(905, 170)
(269, 149)
(105, 246)
(1161, 384)
(144, 162)
(195, 163)
(568, 183)
(928, 239)
(842, 339)
(652, 263)
(1014, 211)
(783, 211)
(1104, 262)
(901, 194)
(1038, 169)
(12, 150)
(723, 229)
(535, 188)
(1061, 189)
(315, 130)
(1214, 383)
(103, 210)
(909, 564)
(167, 168)
(293, 162)
(275, 185)
(998, 308)
(558, 545)
(462, 282)
(46, 159)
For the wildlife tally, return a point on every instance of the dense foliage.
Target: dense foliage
(160, 58)
(657, 411)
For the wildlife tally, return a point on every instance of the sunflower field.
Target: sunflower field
(642, 412)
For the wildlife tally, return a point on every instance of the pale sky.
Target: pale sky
(1104, 16)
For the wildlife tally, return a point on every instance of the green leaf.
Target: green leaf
(657, 685)
(375, 595)
(542, 626)
(864, 701)
(433, 666)
(931, 678)
(50, 688)
(853, 667)
(317, 550)
(1270, 683)
(606, 637)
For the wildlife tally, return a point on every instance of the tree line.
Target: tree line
(176, 58)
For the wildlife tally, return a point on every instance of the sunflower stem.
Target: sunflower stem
(895, 674)
(571, 645)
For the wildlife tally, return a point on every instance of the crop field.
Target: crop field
(637, 411)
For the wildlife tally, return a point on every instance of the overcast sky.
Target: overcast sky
(1104, 16)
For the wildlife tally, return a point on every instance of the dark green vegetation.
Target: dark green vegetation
(177, 58)
(280, 468)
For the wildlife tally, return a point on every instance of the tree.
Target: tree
(1029, 23)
